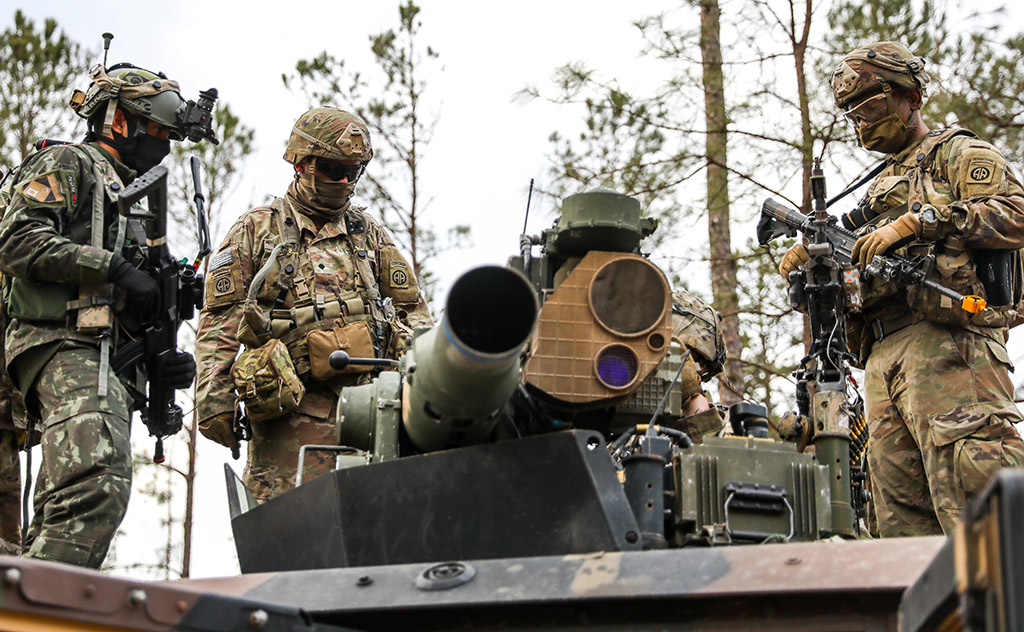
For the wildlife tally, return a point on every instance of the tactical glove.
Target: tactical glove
(180, 370)
(221, 428)
(142, 290)
(792, 260)
(904, 230)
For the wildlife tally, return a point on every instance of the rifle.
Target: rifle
(181, 292)
(779, 220)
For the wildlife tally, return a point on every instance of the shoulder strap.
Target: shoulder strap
(358, 242)
(935, 139)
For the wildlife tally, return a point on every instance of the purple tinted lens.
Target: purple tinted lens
(614, 370)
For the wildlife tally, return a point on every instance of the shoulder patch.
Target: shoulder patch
(980, 170)
(44, 189)
(223, 258)
(224, 283)
(399, 274)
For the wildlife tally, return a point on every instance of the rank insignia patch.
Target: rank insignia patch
(44, 189)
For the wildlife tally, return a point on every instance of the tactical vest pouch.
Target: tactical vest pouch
(956, 272)
(94, 311)
(266, 381)
(38, 301)
(353, 338)
(887, 198)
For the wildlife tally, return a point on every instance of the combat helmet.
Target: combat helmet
(698, 327)
(327, 132)
(876, 68)
(141, 92)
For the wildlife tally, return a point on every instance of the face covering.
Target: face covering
(148, 152)
(887, 135)
(321, 197)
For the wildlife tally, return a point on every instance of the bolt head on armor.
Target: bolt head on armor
(867, 71)
(330, 133)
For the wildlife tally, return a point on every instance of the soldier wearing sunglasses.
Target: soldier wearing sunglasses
(293, 281)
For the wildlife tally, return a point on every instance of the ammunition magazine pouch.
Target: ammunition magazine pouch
(94, 308)
(266, 381)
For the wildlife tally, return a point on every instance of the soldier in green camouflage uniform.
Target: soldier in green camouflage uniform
(52, 259)
(939, 398)
(10, 470)
(308, 265)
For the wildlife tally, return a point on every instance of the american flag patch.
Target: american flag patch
(221, 259)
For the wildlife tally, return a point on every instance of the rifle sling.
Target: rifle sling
(859, 183)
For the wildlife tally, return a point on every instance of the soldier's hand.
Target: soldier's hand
(220, 428)
(793, 259)
(904, 230)
(140, 287)
(180, 370)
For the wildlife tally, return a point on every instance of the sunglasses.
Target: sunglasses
(337, 171)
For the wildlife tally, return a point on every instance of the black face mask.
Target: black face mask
(147, 153)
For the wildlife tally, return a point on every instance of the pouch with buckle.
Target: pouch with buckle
(353, 338)
(267, 382)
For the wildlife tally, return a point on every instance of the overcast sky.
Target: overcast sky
(486, 147)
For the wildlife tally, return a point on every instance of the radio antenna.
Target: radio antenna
(106, 46)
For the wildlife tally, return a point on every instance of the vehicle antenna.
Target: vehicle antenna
(529, 196)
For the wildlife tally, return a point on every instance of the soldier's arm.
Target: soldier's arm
(989, 211)
(45, 199)
(398, 281)
(227, 282)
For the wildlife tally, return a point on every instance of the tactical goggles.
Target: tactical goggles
(336, 171)
(871, 109)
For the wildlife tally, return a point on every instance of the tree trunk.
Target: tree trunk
(723, 263)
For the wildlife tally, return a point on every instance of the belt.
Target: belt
(885, 327)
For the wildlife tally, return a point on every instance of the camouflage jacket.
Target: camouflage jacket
(322, 270)
(979, 206)
(44, 241)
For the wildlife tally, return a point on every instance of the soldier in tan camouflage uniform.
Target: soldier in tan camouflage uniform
(698, 327)
(939, 398)
(292, 281)
(50, 257)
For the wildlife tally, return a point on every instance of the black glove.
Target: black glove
(142, 290)
(180, 370)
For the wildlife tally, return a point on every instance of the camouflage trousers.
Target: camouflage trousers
(274, 453)
(940, 408)
(86, 470)
(10, 493)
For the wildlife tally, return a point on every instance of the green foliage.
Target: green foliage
(402, 125)
(38, 66)
(772, 331)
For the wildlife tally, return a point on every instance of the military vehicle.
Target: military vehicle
(527, 465)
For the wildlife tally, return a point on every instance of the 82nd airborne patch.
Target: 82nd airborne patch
(980, 171)
(399, 275)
